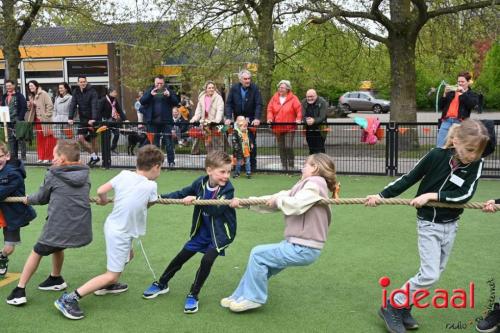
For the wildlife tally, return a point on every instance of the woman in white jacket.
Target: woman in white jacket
(209, 113)
(61, 111)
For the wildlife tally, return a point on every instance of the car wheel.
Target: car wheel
(377, 108)
(346, 107)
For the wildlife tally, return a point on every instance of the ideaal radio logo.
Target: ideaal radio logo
(460, 298)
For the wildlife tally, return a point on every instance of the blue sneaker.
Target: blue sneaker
(154, 290)
(69, 307)
(191, 305)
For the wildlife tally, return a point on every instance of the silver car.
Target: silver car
(363, 101)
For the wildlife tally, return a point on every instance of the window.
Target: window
(88, 68)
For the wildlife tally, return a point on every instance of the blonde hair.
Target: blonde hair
(240, 120)
(217, 159)
(205, 86)
(324, 168)
(4, 148)
(467, 132)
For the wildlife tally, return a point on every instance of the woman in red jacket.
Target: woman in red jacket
(285, 107)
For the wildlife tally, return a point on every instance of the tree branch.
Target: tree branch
(250, 20)
(362, 30)
(465, 6)
(381, 18)
(28, 20)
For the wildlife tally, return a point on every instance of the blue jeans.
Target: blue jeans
(248, 168)
(268, 260)
(443, 130)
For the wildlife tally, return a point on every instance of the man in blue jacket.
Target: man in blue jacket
(17, 109)
(157, 103)
(244, 99)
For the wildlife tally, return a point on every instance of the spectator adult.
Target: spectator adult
(209, 113)
(187, 106)
(17, 109)
(456, 105)
(111, 112)
(85, 102)
(157, 103)
(285, 107)
(314, 110)
(244, 99)
(180, 128)
(137, 103)
(62, 106)
(42, 107)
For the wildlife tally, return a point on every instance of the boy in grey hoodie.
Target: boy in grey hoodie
(66, 189)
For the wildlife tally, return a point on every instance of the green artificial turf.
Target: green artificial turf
(338, 293)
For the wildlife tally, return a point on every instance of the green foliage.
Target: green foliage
(330, 60)
(489, 81)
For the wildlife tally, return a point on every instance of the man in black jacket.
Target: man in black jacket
(314, 113)
(17, 105)
(244, 99)
(85, 98)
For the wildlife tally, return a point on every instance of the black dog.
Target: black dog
(135, 138)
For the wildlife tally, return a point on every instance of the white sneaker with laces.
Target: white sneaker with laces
(243, 305)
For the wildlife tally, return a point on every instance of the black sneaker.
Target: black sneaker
(55, 283)
(17, 297)
(69, 307)
(236, 175)
(409, 322)
(249, 176)
(491, 322)
(115, 288)
(4, 265)
(171, 165)
(393, 318)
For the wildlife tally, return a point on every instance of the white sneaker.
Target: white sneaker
(226, 302)
(243, 305)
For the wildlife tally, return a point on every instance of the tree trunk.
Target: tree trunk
(403, 89)
(265, 40)
(403, 78)
(10, 47)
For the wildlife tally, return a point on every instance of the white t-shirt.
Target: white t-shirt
(132, 194)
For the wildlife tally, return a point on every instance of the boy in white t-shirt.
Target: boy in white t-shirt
(133, 193)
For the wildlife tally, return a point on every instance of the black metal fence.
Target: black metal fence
(399, 147)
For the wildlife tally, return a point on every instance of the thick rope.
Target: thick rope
(256, 202)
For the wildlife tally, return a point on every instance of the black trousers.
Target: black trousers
(315, 141)
(181, 258)
(252, 137)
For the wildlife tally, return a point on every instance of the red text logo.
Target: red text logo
(423, 298)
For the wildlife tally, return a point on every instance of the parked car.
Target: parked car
(363, 101)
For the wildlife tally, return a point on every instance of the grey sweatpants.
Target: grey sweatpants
(435, 242)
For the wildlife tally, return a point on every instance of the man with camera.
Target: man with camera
(157, 103)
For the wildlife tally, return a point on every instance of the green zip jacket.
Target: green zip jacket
(452, 186)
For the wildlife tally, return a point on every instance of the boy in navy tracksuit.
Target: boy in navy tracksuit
(213, 227)
(13, 215)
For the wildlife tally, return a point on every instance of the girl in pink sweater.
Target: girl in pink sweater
(306, 229)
